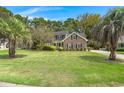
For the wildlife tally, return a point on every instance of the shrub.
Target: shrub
(94, 44)
(120, 49)
(60, 48)
(39, 46)
(85, 49)
(89, 48)
(49, 48)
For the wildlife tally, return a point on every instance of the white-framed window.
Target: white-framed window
(79, 45)
(74, 36)
(69, 45)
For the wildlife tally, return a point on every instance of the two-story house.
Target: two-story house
(70, 41)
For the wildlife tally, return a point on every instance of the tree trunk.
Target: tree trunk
(112, 55)
(12, 47)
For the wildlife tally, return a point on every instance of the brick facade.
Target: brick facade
(74, 44)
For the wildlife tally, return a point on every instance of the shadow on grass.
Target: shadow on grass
(5, 56)
(100, 59)
(93, 58)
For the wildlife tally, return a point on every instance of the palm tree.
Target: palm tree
(11, 29)
(18, 31)
(112, 29)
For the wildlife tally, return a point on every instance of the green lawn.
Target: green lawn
(60, 69)
(120, 52)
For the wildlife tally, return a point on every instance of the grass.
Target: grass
(60, 69)
(120, 52)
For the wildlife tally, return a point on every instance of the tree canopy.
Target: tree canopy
(87, 22)
(11, 29)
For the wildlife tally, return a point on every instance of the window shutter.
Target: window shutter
(76, 45)
(67, 45)
(81, 45)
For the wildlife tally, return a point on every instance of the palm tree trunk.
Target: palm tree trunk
(12, 47)
(112, 55)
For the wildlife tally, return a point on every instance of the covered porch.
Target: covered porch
(58, 44)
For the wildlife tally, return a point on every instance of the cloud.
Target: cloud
(30, 11)
(39, 9)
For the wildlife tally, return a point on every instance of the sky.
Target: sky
(57, 12)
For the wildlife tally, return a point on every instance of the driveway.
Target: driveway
(119, 56)
(5, 84)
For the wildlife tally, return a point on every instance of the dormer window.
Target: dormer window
(74, 36)
(56, 37)
(63, 36)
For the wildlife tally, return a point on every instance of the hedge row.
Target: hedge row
(50, 48)
(120, 49)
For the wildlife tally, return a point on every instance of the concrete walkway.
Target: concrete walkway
(4, 84)
(119, 56)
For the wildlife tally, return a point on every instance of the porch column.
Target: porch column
(61, 44)
(55, 43)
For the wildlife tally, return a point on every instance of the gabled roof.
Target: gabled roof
(60, 33)
(76, 34)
